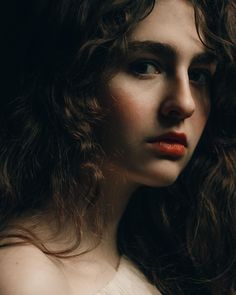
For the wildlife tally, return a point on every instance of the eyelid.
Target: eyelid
(149, 61)
(211, 67)
(201, 69)
(204, 68)
(207, 72)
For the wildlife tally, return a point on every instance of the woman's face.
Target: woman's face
(159, 100)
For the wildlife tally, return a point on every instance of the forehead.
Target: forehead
(171, 22)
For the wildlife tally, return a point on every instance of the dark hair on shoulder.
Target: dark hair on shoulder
(50, 153)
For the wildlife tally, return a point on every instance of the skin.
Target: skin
(168, 96)
(141, 106)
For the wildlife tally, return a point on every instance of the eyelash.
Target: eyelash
(206, 74)
(136, 69)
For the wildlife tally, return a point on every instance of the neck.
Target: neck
(116, 193)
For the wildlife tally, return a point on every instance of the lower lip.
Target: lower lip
(172, 149)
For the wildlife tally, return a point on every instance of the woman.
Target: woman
(117, 150)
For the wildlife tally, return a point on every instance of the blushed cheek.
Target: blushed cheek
(127, 109)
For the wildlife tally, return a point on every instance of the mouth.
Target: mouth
(171, 144)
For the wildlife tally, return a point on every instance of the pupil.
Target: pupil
(141, 68)
(197, 77)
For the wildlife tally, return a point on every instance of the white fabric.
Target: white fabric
(128, 281)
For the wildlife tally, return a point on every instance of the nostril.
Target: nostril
(173, 114)
(177, 109)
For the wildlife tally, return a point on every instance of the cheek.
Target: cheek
(199, 121)
(127, 106)
(204, 108)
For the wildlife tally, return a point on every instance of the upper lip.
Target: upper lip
(172, 137)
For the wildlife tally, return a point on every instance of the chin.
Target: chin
(156, 179)
(163, 181)
(160, 175)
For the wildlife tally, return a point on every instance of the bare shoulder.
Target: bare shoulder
(25, 270)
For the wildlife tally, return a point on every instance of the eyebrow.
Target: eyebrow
(167, 51)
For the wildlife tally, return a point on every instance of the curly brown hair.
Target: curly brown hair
(51, 122)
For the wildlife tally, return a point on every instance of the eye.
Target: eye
(202, 77)
(144, 68)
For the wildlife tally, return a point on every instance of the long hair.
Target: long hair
(50, 154)
(184, 237)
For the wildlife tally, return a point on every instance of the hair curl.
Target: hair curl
(185, 239)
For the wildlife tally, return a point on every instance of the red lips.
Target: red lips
(171, 144)
(173, 137)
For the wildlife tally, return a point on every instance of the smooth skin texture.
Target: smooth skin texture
(26, 271)
(153, 94)
(158, 91)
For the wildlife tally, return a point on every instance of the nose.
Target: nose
(178, 103)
